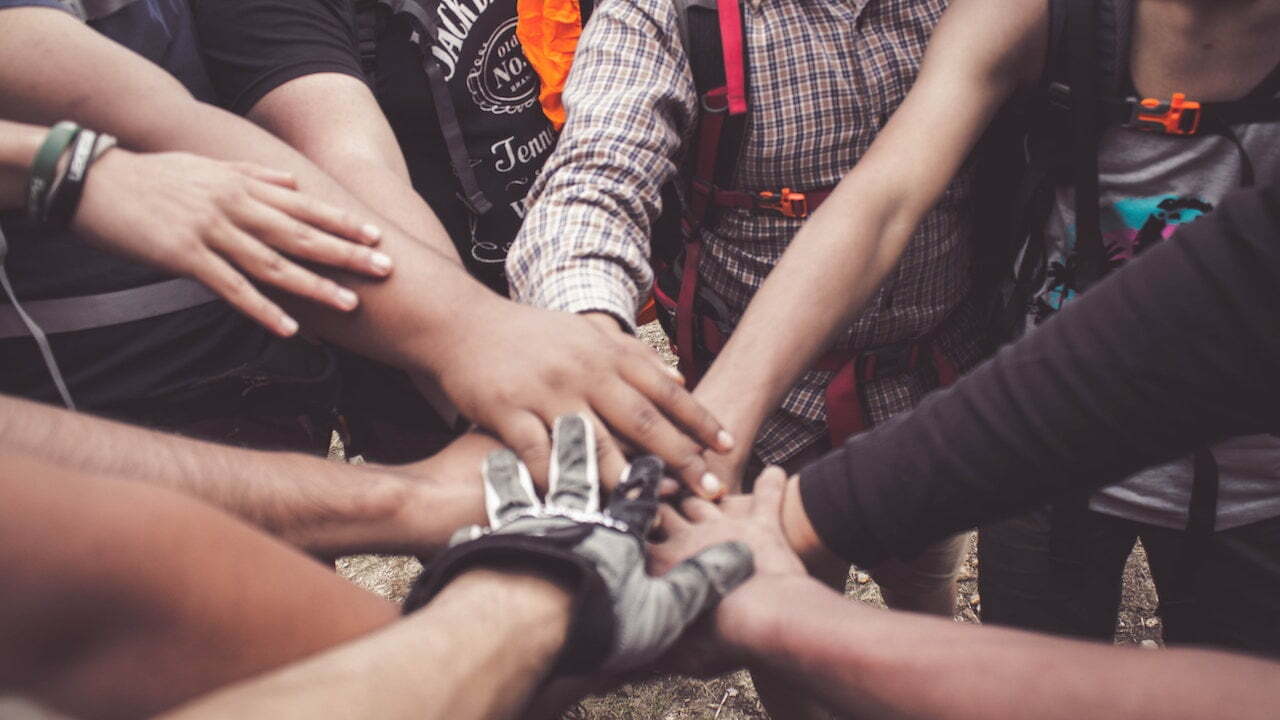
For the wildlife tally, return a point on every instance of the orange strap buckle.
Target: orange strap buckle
(790, 204)
(1179, 116)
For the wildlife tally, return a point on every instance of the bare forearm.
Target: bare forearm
(879, 664)
(804, 302)
(401, 320)
(335, 121)
(124, 599)
(320, 506)
(478, 651)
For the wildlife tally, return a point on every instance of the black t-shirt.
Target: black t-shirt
(255, 46)
(120, 369)
(1172, 352)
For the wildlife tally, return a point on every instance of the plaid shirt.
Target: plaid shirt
(824, 77)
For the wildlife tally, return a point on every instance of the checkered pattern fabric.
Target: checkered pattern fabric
(824, 78)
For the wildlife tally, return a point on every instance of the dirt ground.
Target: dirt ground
(732, 697)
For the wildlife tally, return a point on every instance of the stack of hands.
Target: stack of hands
(641, 571)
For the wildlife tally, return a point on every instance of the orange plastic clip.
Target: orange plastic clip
(790, 204)
(1179, 116)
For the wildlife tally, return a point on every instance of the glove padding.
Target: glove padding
(623, 618)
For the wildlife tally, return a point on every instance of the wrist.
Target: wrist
(534, 607)
(803, 537)
(752, 621)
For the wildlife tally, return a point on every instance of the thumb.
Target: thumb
(700, 581)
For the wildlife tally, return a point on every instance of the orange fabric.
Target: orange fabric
(548, 31)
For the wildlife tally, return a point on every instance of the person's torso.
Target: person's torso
(1151, 185)
(114, 368)
(824, 78)
(495, 94)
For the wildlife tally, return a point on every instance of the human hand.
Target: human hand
(754, 520)
(625, 617)
(217, 222)
(514, 369)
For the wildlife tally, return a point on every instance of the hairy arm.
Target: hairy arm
(478, 651)
(321, 506)
(977, 56)
(872, 663)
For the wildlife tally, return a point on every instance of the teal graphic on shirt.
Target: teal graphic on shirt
(1129, 228)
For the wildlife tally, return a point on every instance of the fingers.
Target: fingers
(699, 510)
(267, 175)
(268, 266)
(508, 489)
(636, 499)
(768, 493)
(296, 224)
(666, 390)
(574, 479)
(634, 417)
(525, 434)
(703, 579)
(308, 209)
(219, 276)
(671, 521)
(610, 457)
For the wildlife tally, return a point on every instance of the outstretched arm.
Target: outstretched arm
(295, 69)
(512, 369)
(979, 53)
(1175, 351)
(122, 599)
(476, 653)
(872, 663)
(323, 507)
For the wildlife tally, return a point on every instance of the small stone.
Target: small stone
(975, 600)
(1149, 645)
(731, 692)
(1151, 622)
(862, 578)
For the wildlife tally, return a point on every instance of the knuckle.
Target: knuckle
(646, 420)
(273, 263)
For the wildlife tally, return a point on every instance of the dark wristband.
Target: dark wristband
(44, 168)
(64, 198)
(591, 627)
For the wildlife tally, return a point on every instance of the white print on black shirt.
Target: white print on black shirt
(501, 81)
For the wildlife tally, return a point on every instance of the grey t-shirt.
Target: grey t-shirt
(1150, 185)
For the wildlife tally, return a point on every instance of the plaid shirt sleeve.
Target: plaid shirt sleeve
(631, 104)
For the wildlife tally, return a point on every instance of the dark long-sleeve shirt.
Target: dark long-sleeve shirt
(1177, 350)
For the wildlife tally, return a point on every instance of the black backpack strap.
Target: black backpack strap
(585, 8)
(367, 37)
(446, 114)
(1082, 53)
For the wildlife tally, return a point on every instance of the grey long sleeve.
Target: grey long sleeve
(1176, 350)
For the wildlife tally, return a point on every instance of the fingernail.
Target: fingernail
(725, 440)
(371, 232)
(711, 485)
(380, 262)
(288, 325)
(347, 299)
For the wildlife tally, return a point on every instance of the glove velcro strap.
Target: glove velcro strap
(592, 624)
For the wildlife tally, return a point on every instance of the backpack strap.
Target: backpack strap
(367, 37)
(1082, 58)
(446, 114)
